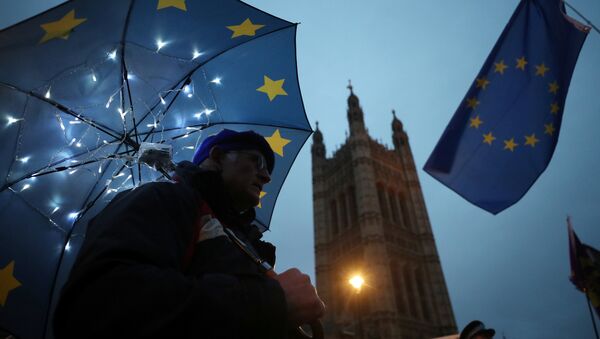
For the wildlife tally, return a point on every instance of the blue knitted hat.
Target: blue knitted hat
(229, 140)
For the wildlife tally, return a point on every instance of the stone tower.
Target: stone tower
(370, 218)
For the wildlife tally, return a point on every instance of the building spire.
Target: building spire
(350, 86)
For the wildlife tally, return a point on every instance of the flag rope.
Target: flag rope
(584, 18)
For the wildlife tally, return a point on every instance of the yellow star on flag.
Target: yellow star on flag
(488, 138)
(475, 122)
(262, 194)
(521, 62)
(510, 144)
(180, 4)
(472, 102)
(277, 142)
(245, 28)
(273, 88)
(482, 83)
(531, 140)
(549, 129)
(7, 282)
(61, 28)
(554, 108)
(553, 87)
(500, 67)
(541, 70)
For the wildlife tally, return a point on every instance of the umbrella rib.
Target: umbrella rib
(190, 73)
(66, 110)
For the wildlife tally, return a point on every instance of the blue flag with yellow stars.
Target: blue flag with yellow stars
(503, 134)
(88, 84)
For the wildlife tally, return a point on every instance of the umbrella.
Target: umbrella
(86, 87)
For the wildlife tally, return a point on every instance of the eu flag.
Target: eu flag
(503, 134)
(585, 268)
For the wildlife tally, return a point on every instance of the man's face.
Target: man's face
(244, 174)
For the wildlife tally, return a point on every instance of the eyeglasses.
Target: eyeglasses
(258, 159)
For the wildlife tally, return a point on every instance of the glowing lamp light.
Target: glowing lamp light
(47, 95)
(94, 79)
(73, 215)
(186, 89)
(71, 172)
(112, 55)
(130, 76)
(216, 80)
(26, 186)
(357, 282)
(55, 209)
(109, 102)
(24, 160)
(162, 101)
(68, 246)
(78, 144)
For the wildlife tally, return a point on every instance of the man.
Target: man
(476, 330)
(157, 264)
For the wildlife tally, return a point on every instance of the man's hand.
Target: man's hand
(303, 303)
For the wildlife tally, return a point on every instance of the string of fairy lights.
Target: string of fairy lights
(95, 158)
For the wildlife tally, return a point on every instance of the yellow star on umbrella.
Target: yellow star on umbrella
(531, 140)
(488, 138)
(180, 4)
(554, 108)
(541, 70)
(510, 144)
(482, 83)
(7, 282)
(521, 62)
(475, 122)
(549, 129)
(61, 28)
(246, 28)
(273, 88)
(277, 142)
(472, 102)
(262, 194)
(553, 87)
(499, 67)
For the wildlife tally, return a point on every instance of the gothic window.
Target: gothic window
(382, 202)
(334, 217)
(398, 288)
(422, 294)
(353, 206)
(343, 211)
(404, 210)
(393, 207)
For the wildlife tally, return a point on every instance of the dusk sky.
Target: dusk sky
(420, 57)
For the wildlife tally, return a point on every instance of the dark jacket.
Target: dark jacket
(140, 273)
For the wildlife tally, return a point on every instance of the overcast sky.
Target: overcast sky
(419, 57)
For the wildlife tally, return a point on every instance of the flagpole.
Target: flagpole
(591, 314)
(589, 23)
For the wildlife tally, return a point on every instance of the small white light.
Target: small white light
(78, 144)
(72, 142)
(196, 54)
(109, 101)
(73, 215)
(105, 142)
(12, 120)
(47, 95)
(216, 80)
(198, 115)
(68, 246)
(122, 113)
(154, 125)
(186, 89)
(94, 79)
(74, 161)
(100, 169)
(190, 95)
(26, 186)
(24, 160)
(160, 44)
(162, 101)
(119, 175)
(208, 111)
(75, 122)
(189, 147)
(130, 76)
(185, 136)
(113, 55)
(54, 210)
(73, 171)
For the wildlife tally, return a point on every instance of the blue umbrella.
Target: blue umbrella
(86, 86)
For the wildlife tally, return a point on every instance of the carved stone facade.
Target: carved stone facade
(370, 217)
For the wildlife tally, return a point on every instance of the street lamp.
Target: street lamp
(357, 282)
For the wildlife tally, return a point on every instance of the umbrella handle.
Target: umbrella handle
(317, 331)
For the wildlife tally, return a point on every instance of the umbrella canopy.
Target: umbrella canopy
(85, 85)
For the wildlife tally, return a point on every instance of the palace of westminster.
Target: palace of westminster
(370, 219)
